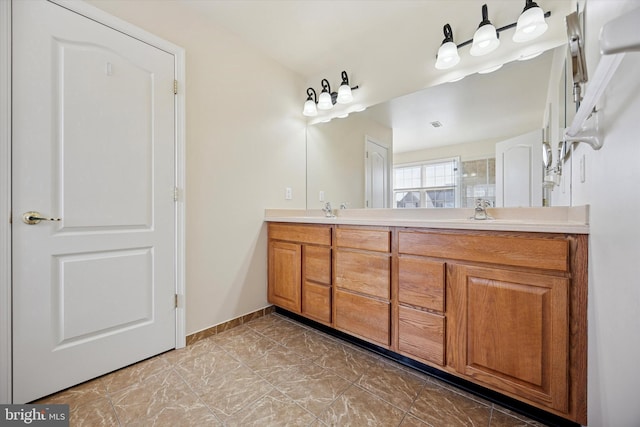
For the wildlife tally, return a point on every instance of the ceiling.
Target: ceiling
(388, 47)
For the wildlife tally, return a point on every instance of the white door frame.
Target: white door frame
(100, 16)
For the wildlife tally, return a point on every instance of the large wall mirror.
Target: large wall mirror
(457, 122)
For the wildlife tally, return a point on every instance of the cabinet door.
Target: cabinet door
(285, 275)
(509, 331)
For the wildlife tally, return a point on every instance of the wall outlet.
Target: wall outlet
(321, 196)
(288, 193)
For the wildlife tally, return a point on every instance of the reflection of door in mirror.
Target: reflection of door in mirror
(519, 171)
(376, 175)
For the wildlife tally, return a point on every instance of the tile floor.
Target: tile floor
(273, 371)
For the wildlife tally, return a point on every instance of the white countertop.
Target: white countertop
(561, 219)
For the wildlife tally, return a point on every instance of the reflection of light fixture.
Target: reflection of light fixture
(490, 69)
(310, 104)
(448, 51)
(531, 23)
(485, 39)
(327, 99)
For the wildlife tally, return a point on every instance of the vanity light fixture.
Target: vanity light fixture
(530, 25)
(325, 101)
(485, 39)
(310, 109)
(328, 99)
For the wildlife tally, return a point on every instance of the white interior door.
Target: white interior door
(519, 171)
(93, 145)
(377, 175)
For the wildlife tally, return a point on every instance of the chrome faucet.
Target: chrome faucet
(328, 211)
(480, 212)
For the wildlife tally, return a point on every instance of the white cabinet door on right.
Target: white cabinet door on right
(519, 171)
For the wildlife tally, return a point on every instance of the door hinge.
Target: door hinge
(176, 192)
(366, 154)
(175, 87)
(177, 299)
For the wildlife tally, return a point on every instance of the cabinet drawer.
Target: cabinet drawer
(367, 273)
(317, 264)
(313, 234)
(365, 317)
(521, 251)
(316, 302)
(421, 282)
(364, 238)
(421, 335)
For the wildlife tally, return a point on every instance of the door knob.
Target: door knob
(35, 217)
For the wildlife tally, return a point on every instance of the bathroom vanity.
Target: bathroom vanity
(500, 303)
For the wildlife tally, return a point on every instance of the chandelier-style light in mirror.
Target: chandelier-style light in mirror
(328, 99)
(530, 25)
(448, 52)
(485, 39)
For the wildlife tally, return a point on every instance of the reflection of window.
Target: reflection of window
(478, 181)
(427, 185)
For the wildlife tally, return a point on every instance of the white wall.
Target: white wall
(611, 188)
(471, 151)
(245, 144)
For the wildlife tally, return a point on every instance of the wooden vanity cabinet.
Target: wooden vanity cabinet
(300, 269)
(515, 311)
(362, 294)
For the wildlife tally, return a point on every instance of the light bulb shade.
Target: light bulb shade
(447, 56)
(324, 101)
(485, 40)
(344, 94)
(310, 109)
(531, 24)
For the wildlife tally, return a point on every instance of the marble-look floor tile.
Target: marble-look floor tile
(144, 400)
(346, 361)
(358, 407)
(232, 392)
(79, 395)
(411, 421)
(247, 346)
(499, 411)
(200, 370)
(313, 387)
(387, 381)
(266, 322)
(277, 364)
(135, 374)
(187, 412)
(273, 409)
(442, 407)
(283, 332)
(97, 413)
(309, 344)
(272, 371)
